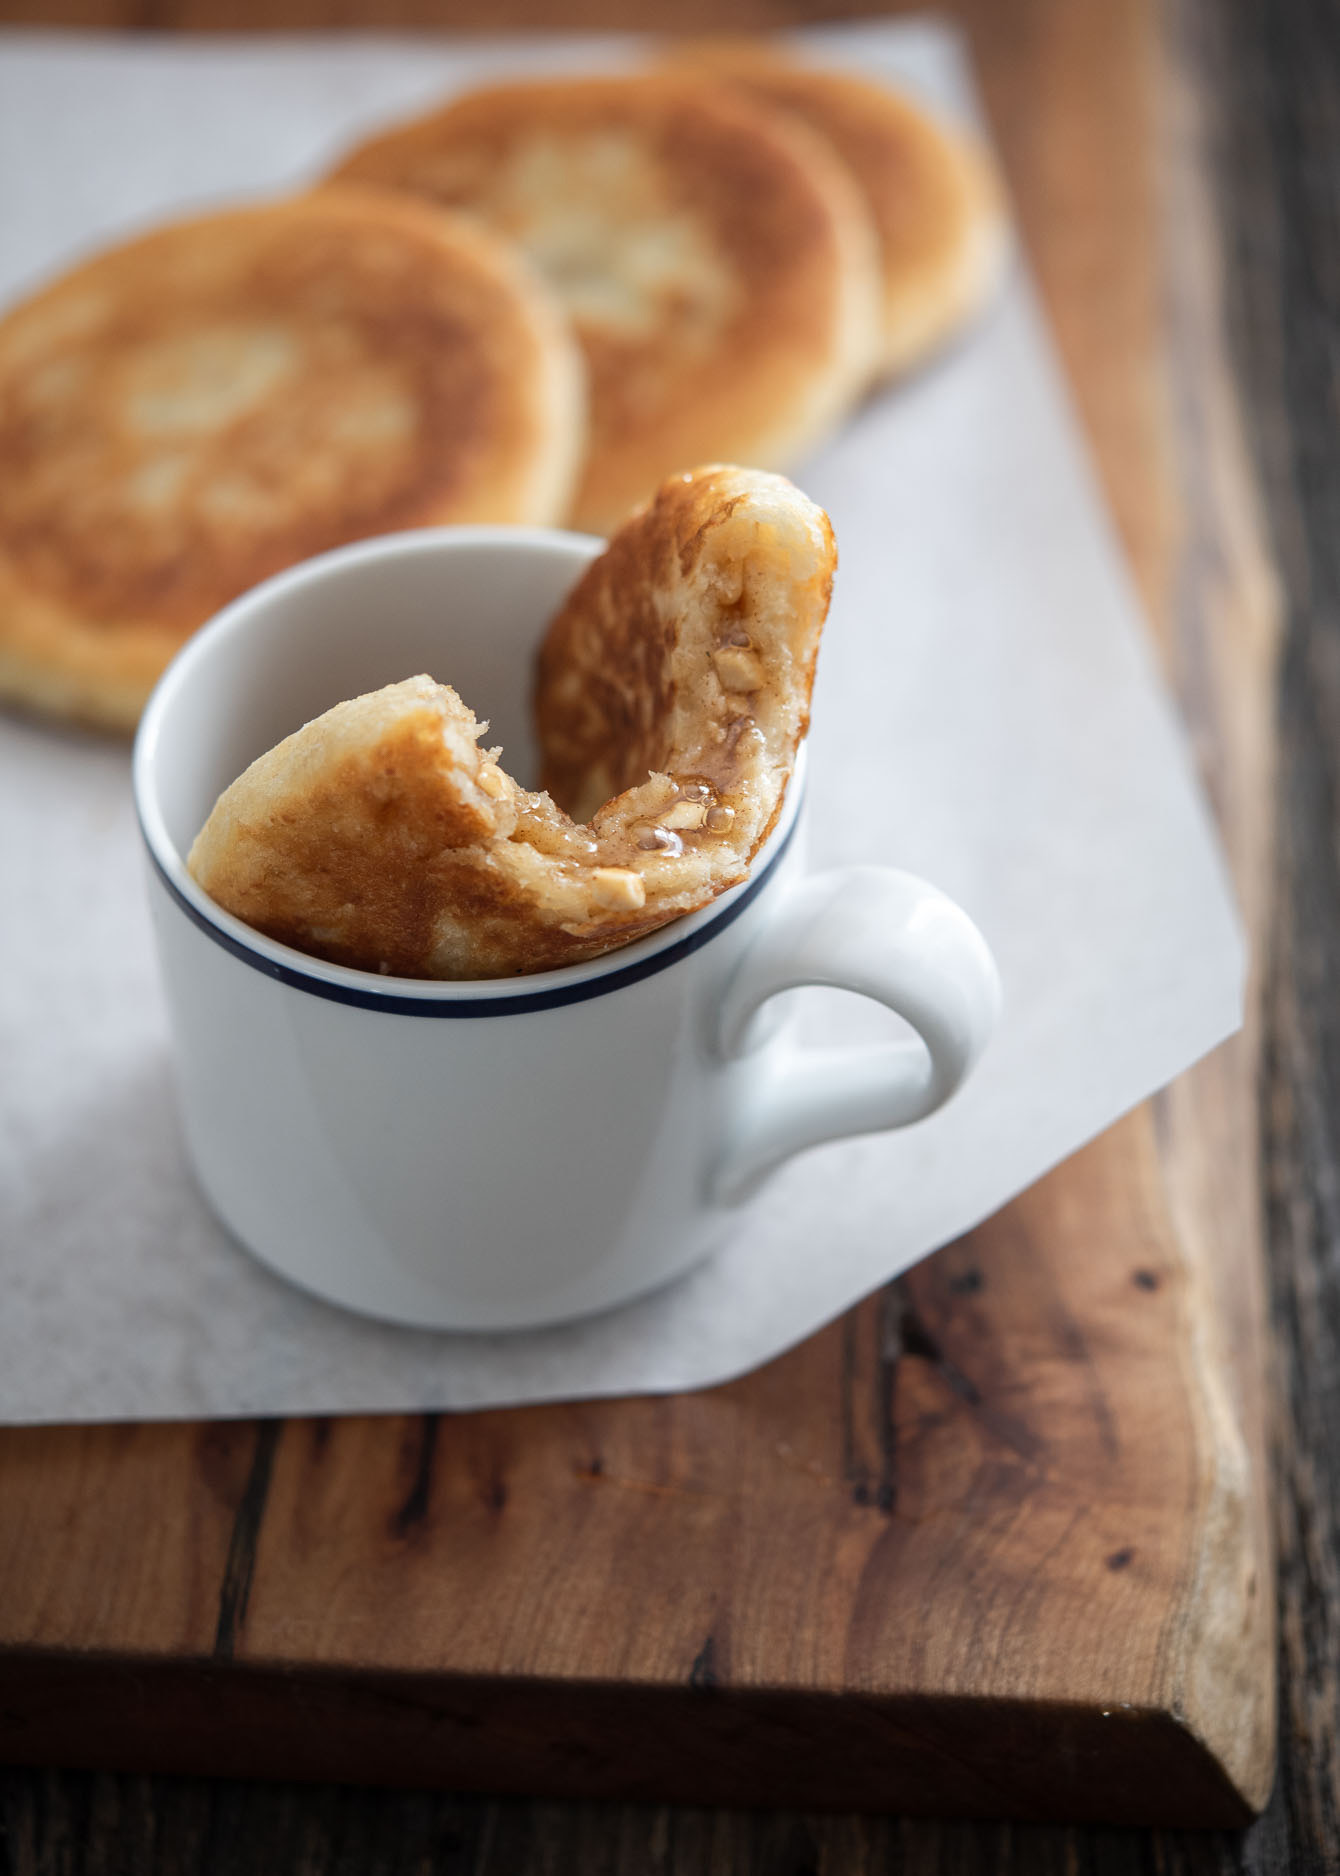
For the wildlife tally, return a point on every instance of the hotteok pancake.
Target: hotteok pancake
(715, 258)
(187, 413)
(932, 190)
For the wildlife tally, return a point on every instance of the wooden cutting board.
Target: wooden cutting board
(996, 1542)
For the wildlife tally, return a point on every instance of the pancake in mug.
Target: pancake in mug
(673, 690)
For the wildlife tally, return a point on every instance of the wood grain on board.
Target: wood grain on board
(994, 1544)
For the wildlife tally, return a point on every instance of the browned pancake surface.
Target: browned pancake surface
(937, 205)
(186, 414)
(672, 693)
(716, 260)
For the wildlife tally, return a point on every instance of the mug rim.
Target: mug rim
(460, 997)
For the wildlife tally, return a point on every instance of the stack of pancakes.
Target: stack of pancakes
(530, 306)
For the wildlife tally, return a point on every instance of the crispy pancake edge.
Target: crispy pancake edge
(957, 258)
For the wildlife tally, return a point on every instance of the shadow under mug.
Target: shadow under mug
(508, 1152)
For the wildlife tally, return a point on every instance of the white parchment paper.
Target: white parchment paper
(988, 715)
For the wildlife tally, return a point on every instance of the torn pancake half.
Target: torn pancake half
(932, 189)
(716, 260)
(186, 413)
(673, 691)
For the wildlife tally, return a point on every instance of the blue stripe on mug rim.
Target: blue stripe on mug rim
(517, 1002)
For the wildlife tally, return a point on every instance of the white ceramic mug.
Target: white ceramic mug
(504, 1153)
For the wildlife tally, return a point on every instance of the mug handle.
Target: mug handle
(884, 935)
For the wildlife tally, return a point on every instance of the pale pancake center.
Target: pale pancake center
(595, 215)
(201, 380)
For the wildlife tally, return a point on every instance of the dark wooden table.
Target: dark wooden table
(1270, 72)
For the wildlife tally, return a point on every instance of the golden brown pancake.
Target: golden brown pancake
(673, 690)
(716, 260)
(185, 414)
(932, 191)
